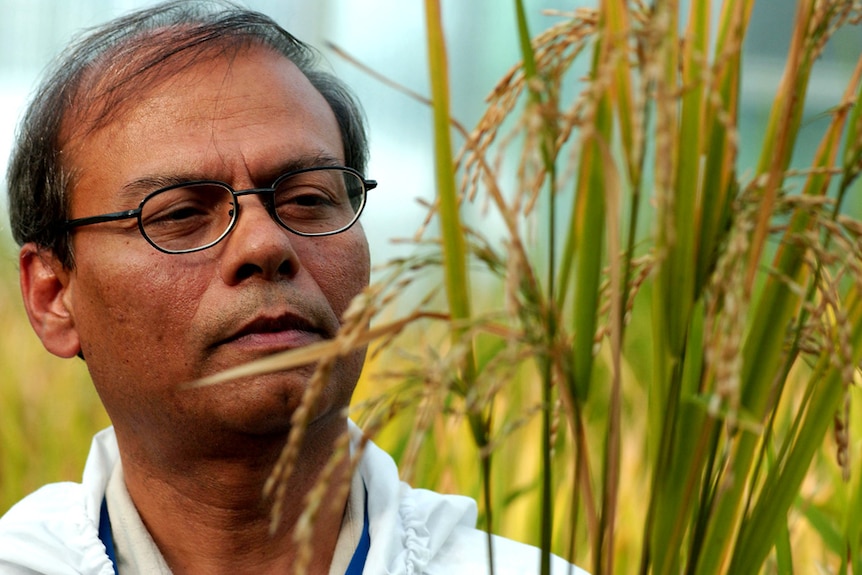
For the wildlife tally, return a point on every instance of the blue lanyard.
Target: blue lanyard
(357, 562)
(106, 536)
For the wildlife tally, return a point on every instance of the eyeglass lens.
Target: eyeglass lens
(192, 216)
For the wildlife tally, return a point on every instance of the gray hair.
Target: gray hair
(98, 76)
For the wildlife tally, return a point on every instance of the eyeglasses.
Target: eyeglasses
(193, 216)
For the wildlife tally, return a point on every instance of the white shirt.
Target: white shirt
(413, 531)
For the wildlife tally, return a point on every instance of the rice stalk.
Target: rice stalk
(752, 353)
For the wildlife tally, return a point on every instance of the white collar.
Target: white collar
(136, 551)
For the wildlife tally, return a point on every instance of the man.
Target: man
(185, 190)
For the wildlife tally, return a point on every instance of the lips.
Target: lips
(285, 331)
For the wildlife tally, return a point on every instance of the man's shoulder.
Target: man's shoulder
(58, 504)
(466, 551)
(55, 528)
(421, 531)
(47, 531)
(52, 500)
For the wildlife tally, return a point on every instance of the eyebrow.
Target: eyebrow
(135, 190)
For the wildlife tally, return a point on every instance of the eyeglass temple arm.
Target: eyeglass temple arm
(124, 215)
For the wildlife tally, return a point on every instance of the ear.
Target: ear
(45, 285)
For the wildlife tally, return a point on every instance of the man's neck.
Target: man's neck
(210, 516)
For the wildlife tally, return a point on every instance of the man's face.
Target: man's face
(149, 322)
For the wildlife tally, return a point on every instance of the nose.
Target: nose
(258, 246)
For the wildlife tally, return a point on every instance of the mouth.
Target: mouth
(275, 333)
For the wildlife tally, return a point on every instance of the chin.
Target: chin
(267, 404)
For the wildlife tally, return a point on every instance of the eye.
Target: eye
(303, 196)
(172, 210)
(318, 200)
(178, 214)
(187, 216)
(315, 195)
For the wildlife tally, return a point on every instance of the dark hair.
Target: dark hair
(98, 75)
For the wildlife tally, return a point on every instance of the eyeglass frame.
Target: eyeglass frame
(367, 185)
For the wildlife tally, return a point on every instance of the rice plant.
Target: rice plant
(635, 356)
(630, 314)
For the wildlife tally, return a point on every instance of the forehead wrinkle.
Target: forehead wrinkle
(138, 188)
(134, 191)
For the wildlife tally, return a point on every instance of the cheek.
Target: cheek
(341, 268)
(133, 305)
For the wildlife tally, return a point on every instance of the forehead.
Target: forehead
(223, 112)
(113, 78)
